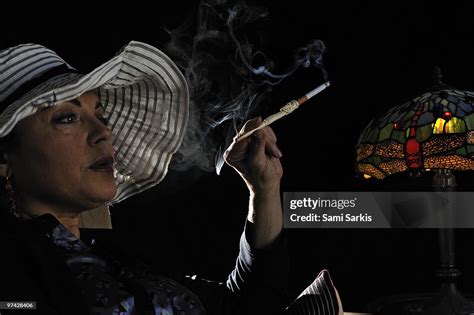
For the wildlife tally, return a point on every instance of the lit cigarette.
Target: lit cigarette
(287, 109)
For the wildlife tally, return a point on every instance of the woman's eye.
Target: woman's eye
(66, 119)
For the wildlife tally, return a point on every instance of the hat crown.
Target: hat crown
(25, 66)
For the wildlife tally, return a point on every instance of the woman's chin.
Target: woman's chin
(102, 192)
(109, 194)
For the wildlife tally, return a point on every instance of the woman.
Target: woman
(74, 142)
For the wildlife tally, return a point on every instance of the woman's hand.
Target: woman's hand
(256, 158)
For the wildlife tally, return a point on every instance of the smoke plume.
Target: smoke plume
(227, 75)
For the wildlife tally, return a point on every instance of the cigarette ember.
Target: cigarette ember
(287, 109)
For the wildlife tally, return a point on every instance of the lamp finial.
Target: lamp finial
(437, 76)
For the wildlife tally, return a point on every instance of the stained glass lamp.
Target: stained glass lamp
(432, 132)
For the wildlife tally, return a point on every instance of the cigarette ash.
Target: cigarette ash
(228, 76)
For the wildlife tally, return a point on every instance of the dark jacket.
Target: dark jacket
(32, 269)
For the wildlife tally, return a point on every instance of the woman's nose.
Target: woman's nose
(99, 132)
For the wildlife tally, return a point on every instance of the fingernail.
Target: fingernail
(279, 153)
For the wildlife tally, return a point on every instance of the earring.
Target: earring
(11, 196)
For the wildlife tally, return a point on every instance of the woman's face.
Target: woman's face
(61, 158)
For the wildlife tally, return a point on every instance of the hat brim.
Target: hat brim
(146, 101)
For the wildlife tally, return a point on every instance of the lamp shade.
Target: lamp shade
(432, 131)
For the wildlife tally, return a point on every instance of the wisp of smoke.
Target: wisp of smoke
(228, 79)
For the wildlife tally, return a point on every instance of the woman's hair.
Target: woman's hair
(5, 145)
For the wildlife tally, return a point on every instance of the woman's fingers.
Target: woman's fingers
(272, 147)
(262, 142)
(249, 125)
(238, 149)
(270, 133)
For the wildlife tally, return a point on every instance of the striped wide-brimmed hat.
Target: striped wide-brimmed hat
(145, 99)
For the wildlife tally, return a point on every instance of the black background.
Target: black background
(379, 55)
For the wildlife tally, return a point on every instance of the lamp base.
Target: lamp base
(448, 301)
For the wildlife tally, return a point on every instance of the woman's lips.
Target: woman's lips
(104, 164)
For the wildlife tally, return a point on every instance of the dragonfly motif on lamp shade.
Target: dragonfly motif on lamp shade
(432, 131)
